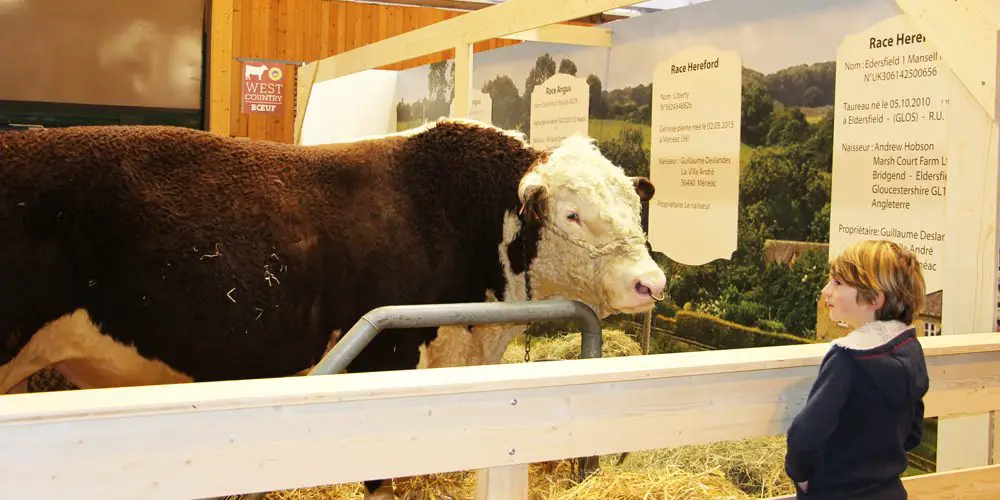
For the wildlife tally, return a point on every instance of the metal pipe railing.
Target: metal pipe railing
(478, 313)
(434, 315)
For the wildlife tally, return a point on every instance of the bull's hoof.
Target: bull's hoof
(384, 492)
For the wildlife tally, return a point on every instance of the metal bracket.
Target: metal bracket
(272, 61)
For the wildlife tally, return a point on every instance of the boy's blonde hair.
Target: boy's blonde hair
(873, 266)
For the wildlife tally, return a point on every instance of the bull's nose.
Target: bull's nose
(651, 287)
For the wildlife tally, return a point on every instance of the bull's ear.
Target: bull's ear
(644, 187)
(533, 194)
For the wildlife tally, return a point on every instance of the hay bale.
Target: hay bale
(550, 481)
(616, 343)
(754, 465)
(338, 491)
(648, 481)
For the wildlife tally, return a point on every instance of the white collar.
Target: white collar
(871, 335)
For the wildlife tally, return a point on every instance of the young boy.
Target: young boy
(865, 410)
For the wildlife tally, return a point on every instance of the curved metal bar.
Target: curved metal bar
(433, 315)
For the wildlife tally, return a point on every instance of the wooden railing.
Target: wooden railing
(977, 483)
(209, 439)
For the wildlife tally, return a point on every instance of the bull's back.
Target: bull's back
(178, 242)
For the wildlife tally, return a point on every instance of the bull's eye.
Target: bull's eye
(573, 216)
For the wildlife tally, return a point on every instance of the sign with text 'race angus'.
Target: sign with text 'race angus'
(560, 107)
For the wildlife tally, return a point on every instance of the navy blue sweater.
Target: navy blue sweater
(864, 412)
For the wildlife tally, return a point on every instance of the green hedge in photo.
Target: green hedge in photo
(721, 334)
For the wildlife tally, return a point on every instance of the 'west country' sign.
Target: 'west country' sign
(263, 87)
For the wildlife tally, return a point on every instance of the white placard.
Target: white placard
(890, 151)
(368, 98)
(480, 107)
(560, 107)
(695, 155)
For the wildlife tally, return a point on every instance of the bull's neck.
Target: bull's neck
(517, 252)
(467, 178)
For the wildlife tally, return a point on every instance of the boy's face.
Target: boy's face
(842, 300)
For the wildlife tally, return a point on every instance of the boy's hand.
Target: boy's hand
(804, 485)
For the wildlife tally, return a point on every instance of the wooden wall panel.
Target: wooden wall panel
(308, 30)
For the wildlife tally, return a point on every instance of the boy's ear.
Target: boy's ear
(878, 301)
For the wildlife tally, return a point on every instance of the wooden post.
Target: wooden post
(463, 79)
(305, 78)
(967, 40)
(502, 483)
(647, 326)
(220, 66)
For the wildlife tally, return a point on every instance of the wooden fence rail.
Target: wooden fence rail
(210, 439)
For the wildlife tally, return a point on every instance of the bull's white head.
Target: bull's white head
(591, 247)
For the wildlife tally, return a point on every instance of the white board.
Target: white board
(347, 108)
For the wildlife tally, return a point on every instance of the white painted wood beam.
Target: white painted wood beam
(497, 21)
(565, 34)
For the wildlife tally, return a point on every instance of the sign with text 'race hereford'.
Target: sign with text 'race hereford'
(263, 87)
(890, 154)
(695, 155)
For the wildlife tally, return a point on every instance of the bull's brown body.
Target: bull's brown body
(229, 259)
(147, 255)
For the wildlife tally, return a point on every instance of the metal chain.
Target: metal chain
(527, 346)
(527, 332)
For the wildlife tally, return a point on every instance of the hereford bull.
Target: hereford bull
(156, 255)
